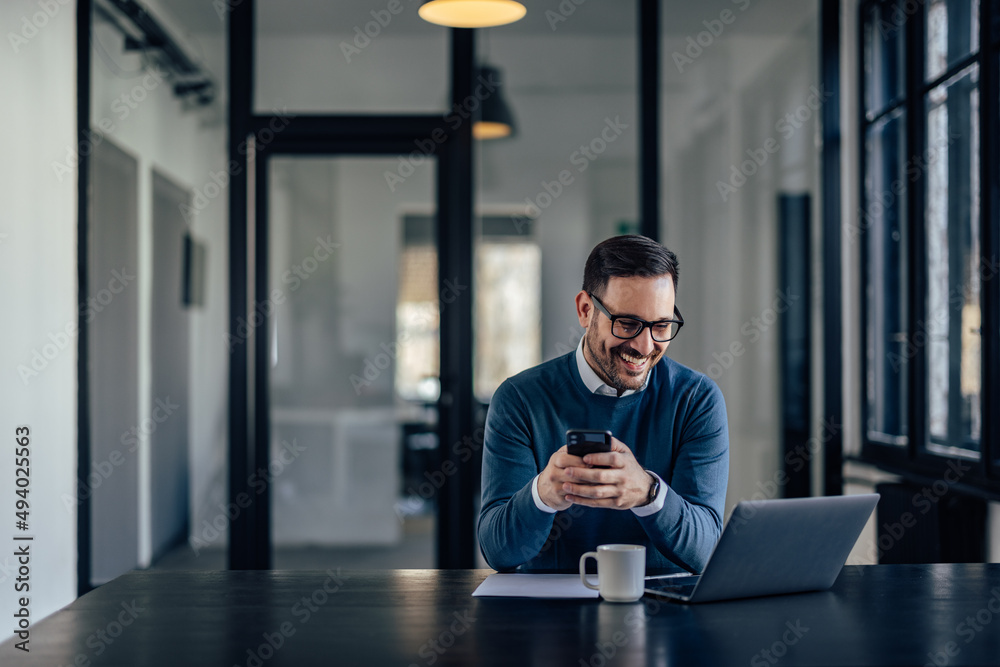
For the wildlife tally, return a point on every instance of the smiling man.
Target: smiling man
(663, 484)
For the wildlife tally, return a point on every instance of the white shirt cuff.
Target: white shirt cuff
(658, 501)
(538, 499)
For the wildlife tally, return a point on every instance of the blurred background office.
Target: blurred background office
(349, 317)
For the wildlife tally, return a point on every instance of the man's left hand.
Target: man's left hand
(622, 485)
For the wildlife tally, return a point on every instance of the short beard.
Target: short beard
(609, 369)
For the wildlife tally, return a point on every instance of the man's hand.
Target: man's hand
(552, 480)
(622, 485)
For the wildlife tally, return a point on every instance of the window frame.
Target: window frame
(915, 460)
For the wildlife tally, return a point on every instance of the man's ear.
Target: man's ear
(584, 308)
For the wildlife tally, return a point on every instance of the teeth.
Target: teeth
(632, 360)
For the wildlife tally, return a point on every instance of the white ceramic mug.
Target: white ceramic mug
(621, 571)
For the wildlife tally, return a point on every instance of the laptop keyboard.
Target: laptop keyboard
(676, 585)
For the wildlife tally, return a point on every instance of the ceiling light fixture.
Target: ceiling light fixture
(495, 120)
(471, 13)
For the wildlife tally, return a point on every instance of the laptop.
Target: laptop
(771, 547)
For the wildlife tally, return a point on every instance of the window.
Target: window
(924, 225)
(508, 265)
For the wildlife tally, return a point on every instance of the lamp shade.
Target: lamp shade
(471, 13)
(495, 119)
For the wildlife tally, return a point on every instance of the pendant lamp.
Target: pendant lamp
(495, 119)
(471, 13)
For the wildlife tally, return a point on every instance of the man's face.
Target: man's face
(624, 364)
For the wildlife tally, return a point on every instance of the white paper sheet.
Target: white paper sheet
(535, 586)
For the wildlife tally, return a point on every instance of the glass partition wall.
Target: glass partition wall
(358, 311)
(354, 355)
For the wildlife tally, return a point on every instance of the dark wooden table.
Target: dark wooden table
(874, 615)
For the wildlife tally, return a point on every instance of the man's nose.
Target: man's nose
(644, 343)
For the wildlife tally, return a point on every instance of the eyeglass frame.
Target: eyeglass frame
(644, 324)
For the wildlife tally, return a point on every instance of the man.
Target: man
(663, 484)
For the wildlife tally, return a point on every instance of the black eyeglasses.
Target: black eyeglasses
(626, 327)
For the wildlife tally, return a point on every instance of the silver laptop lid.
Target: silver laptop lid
(784, 546)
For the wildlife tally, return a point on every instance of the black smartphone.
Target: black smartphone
(580, 442)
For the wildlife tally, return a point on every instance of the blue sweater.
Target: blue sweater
(676, 427)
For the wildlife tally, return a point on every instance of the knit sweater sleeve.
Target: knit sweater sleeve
(512, 530)
(686, 529)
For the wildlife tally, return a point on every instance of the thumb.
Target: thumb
(619, 446)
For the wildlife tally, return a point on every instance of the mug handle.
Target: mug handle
(583, 569)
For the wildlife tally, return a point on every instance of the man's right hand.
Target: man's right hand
(552, 478)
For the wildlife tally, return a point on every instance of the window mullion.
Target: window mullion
(989, 175)
(915, 206)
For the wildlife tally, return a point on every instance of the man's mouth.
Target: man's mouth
(632, 362)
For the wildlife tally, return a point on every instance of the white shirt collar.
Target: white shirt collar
(594, 382)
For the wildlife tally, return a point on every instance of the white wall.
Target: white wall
(38, 262)
(730, 101)
(38, 300)
(186, 144)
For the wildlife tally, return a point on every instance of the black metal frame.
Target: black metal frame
(989, 166)
(915, 462)
(649, 118)
(456, 524)
(796, 335)
(833, 381)
(244, 551)
(249, 414)
(84, 23)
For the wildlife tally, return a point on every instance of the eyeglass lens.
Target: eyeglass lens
(662, 332)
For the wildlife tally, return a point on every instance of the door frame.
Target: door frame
(253, 139)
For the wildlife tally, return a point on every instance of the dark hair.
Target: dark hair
(624, 257)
